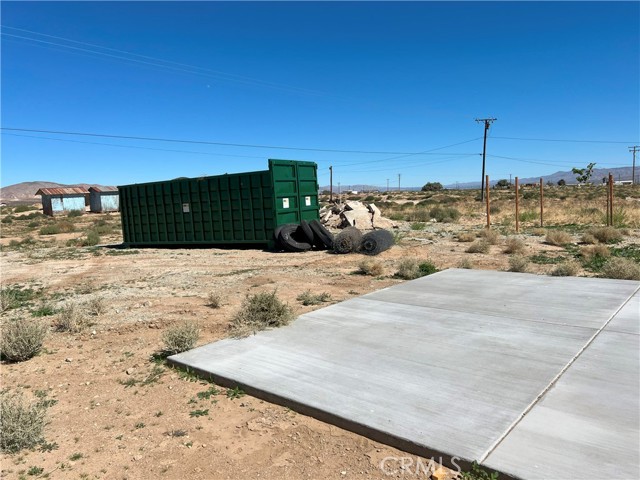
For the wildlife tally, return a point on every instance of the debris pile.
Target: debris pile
(354, 214)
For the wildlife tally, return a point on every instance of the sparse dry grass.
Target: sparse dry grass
(558, 238)
(621, 268)
(479, 246)
(605, 234)
(370, 267)
(514, 245)
(490, 236)
(412, 268)
(566, 269)
(595, 251)
(72, 318)
(518, 263)
(180, 338)
(466, 237)
(214, 300)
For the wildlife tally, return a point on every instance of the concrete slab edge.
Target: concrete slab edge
(448, 460)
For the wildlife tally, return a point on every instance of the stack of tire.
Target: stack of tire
(294, 237)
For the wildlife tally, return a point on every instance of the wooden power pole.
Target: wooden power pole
(487, 123)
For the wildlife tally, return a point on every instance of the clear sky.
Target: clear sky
(390, 77)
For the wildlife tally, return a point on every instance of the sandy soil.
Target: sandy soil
(121, 415)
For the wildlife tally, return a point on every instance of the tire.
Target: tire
(276, 234)
(322, 237)
(376, 242)
(292, 239)
(308, 233)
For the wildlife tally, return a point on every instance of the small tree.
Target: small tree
(561, 182)
(432, 187)
(502, 183)
(583, 175)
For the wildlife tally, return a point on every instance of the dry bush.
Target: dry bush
(21, 339)
(370, 267)
(214, 300)
(259, 312)
(479, 246)
(180, 338)
(95, 307)
(622, 269)
(606, 234)
(518, 263)
(538, 232)
(566, 269)
(307, 298)
(412, 268)
(589, 239)
(21, 423)
(514, 245)
(595, 251)
(466, 237)
(72, 318)
(490, 236)
(558, 238)
(466, 264)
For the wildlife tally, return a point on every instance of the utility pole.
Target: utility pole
(633, 169)
(487, 122)
(331, 183)
(398, 182)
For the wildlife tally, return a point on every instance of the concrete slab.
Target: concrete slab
(628, 319)
(445, 365)
(586, 426)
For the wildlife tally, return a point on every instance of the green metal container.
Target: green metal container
(232, 209)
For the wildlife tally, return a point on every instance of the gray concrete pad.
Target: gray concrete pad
(628, 319)
(446, 365)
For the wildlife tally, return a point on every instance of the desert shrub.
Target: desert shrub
(33, 224)
(528, 216)
(72, 318)
(514, 245)
(588, 253)
(370, 267)
(621, 268)
(411, 268)
(258, 312)
(90, 239)
(605, 234)
(15, 297)
(466, 264)
(589, 239)
(491, 236)
(466, 237)
(518, 263)
(307, 298)
(479, 246)
(44, 310)
(7, 220)
(566, 269)
(417, 226)
(538, 232)
(95, 307)
(214, 300)
(445, 214)
(493, 209)
(21, 339)
(558, 238)
(23, 208)
(59, 227)
(180, 338)
(75, 213)
(21, 423)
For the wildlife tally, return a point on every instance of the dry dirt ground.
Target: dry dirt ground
(120, 415)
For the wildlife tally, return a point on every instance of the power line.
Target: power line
(559, 163)
(203, 142)
(558, 140)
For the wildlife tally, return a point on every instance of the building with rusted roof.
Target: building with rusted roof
(104, 199)
(57, 201)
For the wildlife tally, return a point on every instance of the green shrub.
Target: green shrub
(621, 268)
(24, 208)
(15, 297)
(411, 268)
(307, 298)
(59, 227)
(445, 214)
(479, 246)
(370, 267)
(7, 220)
(258, 312)
(90, 239)
(21, 424)
(518, 263)
(417, 226)
(558, 238)
(528, 216)
(75, 213)
(44, 310)
(181, 338)
(21, 339)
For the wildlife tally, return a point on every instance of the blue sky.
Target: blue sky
(365, 77)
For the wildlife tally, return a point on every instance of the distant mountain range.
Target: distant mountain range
(26, 191)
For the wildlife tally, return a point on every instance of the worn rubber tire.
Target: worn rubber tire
(276, 235)
(323, 237)
(291, 237)
(308, 233)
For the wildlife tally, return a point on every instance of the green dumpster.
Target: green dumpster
(230, 209)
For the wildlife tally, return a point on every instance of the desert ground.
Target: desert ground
(115, 410)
